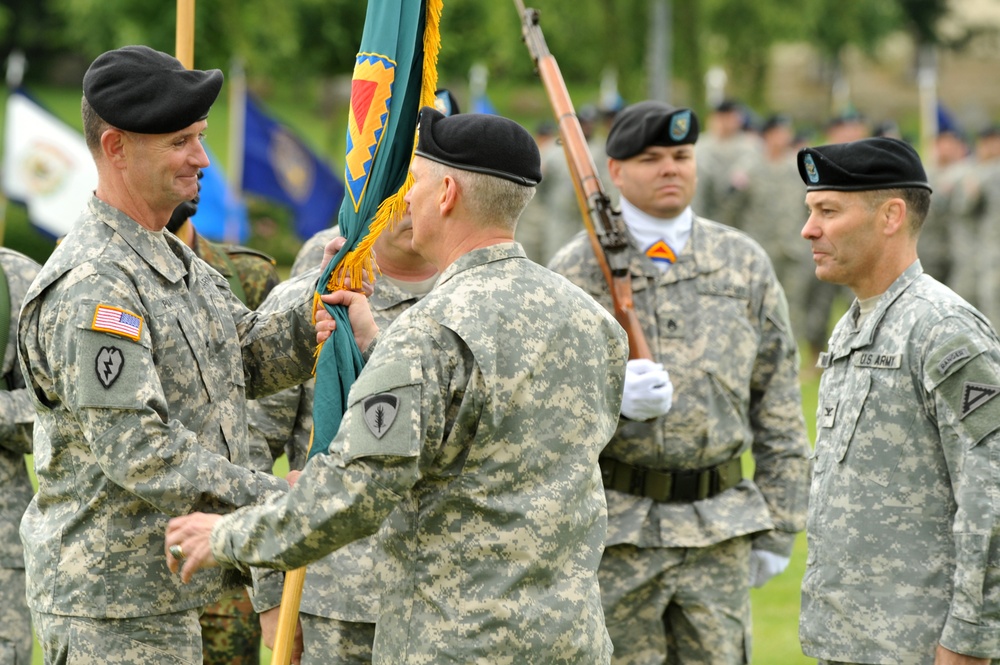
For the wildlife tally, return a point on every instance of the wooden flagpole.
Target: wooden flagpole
(184, 48)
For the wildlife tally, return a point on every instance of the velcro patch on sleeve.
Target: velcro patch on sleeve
(117, 321)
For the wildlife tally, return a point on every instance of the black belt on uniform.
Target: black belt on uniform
(667, 486)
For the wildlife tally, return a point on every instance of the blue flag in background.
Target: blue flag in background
(222, 215)
(279, 166)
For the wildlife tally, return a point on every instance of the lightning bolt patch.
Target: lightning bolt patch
(108, 365)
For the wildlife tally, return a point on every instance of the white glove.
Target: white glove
(648, 391)
(764, 565)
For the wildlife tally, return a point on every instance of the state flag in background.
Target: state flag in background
(222, 214)
(46, 165)
(277, 165)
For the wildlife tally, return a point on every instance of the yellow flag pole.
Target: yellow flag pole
(184, 47)
(288, 616)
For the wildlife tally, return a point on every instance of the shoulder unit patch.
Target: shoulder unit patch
(974, 395)
(380, 412)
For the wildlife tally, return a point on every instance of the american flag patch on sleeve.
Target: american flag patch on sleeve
(117, 321)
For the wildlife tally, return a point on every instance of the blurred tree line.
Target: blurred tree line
(317, 39)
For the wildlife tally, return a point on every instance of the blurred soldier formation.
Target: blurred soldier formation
(539, 498)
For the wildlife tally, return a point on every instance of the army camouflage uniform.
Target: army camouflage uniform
(720, 163)
(340, 598)
(140, 360)
(935, 245)
(17, 414)
(680, 515)
(903, 523)
(968, 210)
(500, 387)
(230, 629)
(772, 210)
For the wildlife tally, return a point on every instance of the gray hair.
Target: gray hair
(492, 201)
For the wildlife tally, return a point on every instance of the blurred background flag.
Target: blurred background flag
(277, 165)
(478, 76)
(222, 215)
(46, 165)
(395, 74)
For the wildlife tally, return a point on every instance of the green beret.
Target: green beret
(873, 163)
(141, 90)
(480, 142)
(643, 124)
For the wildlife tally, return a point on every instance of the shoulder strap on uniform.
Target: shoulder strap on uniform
(4, 323)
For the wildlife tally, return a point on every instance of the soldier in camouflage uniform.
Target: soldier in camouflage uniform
(497, 391)
(770, 206)
(140, 360)
(340, 599)
(724, 153)
(687, 534)
(230, 630)
(17, 416)
(904, 526)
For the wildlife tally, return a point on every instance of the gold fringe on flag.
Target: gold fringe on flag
(361, 259)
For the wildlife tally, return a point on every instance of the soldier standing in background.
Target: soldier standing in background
(942, 230)
(724, 152)
(903, 523)
(17, 416)
(688, 535)
(770, 207)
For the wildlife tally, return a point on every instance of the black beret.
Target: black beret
(650, 123)
(141, 90)
(873, 163)
(480, 142)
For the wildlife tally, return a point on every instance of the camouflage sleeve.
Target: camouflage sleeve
(962, 376)
(780, 445)
(274, 417)
(279, 346)
(371, 465)
(17, 414)
(124, 414)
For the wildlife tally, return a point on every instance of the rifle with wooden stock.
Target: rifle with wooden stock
(605, 226)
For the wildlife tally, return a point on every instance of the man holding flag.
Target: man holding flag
(472, 434)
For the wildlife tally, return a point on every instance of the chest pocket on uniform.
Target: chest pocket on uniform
(181, 353)
(879, 432)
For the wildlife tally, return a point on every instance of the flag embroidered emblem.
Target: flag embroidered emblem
(371, 94)
(117, 321)
(660, 251)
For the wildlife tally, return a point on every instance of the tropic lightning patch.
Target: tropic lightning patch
(380, 412)
(108, 365)
(974, 395)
